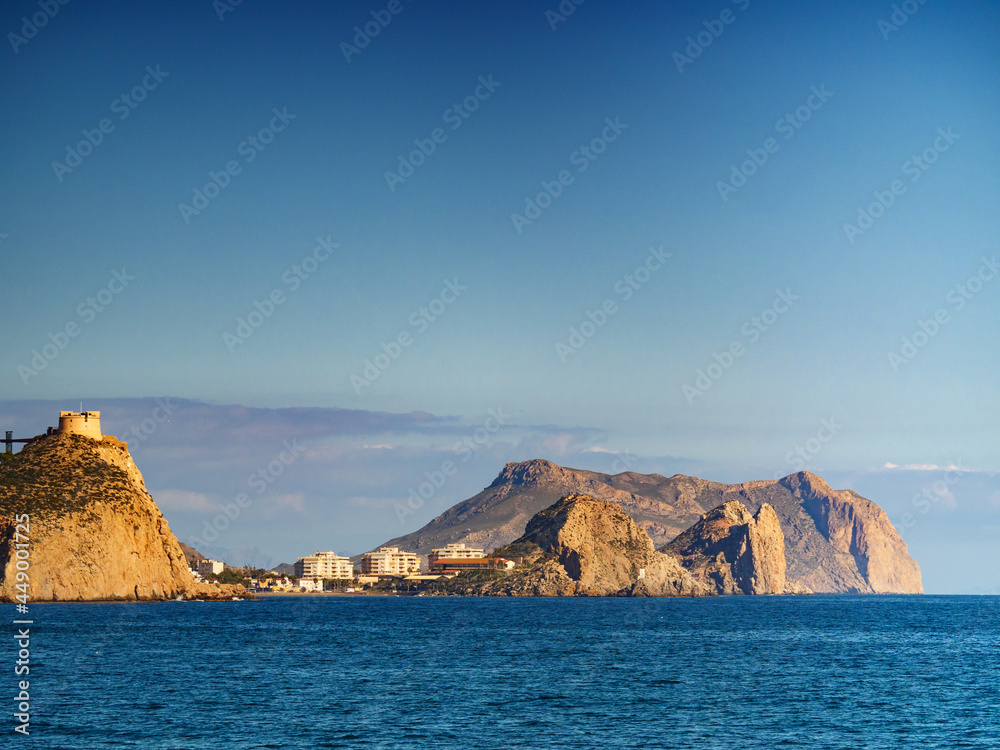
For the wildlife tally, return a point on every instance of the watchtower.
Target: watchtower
(87, 423)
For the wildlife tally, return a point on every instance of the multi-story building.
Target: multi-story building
(324, 565)
(208, 568)
(390, 561)
(471, 563)
(454, 552)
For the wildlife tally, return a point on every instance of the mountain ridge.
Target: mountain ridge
(835, 541)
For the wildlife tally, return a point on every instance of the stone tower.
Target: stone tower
(86, 423)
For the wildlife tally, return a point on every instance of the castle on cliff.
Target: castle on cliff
(87, 423)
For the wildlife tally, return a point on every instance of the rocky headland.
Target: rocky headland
(95, 533)
(835, 541)
(581, 546)
(735, 552)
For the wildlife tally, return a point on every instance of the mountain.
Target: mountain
(734, 552)
(583, 547)
(835, 541)
(191, 555)
(94, 531)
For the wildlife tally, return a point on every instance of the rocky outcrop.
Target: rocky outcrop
(95, 533)
(734, 552)
(860, 532)
(835, 541)
(585, 547)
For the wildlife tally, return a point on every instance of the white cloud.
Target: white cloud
(926, 467)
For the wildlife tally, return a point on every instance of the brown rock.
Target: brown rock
(861, 532)
(586, 547)
(94, 531)
(734, 552)
(835, 542)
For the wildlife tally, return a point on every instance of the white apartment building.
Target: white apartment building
(454, 552)
(324, 565)
(208, 568)
(390, 561)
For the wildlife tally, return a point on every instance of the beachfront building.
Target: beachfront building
(310, 584)
(389, 561)
(208, 568)
(471, 563)
(324, 565)
(454, 552)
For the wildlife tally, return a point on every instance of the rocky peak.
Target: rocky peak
(733, 551)
(584, 546)
(859, 531)
(96, 533)
(526, 472)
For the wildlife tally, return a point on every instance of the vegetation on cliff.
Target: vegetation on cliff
(95, 533)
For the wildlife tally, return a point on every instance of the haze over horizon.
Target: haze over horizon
(727, 239)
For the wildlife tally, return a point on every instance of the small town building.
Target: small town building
(454, 552)
(389, 561)
(210, 567)
(471, 563)
(324, 565)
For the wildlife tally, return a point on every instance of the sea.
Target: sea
(429, 673)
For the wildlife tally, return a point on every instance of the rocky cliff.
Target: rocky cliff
(584, 547)
(95, 533)
(859, 532)
(734, 552)
(835, 541)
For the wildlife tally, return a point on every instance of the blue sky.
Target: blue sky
(308, 214)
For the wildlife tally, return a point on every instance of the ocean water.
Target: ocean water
(436, 673)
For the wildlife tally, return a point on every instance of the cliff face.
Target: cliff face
(860, 532)
(95, 533)
(734, 552)
(499, 514)
(834, 542)
(586, 547)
